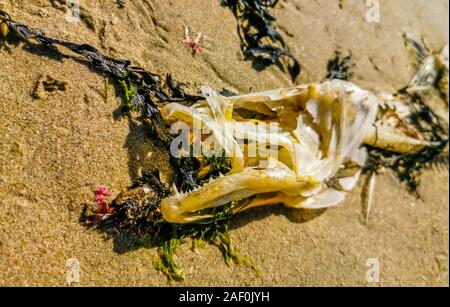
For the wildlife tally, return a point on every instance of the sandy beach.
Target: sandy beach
(57, 147)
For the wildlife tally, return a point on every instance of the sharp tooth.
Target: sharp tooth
(220, 174)
(211, 180)
(174, 189)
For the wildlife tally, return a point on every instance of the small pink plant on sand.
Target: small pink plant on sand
(100, 200)
(194, 43)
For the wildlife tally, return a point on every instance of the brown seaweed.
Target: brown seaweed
(339, 68)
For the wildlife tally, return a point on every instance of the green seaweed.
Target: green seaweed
(214, 231)
(260, 40)
(129, 93)
(141, 222)
(166, 264)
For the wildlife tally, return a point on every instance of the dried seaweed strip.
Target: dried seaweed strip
(260, 41)
(144, 82)
(116, 68)
(339, 68)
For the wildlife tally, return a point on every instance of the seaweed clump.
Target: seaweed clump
(339, 68)
(135, 215)
(260, 40)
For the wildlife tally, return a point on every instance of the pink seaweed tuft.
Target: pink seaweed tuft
(100, 200)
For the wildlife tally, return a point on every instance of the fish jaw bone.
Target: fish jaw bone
(351, 115)
(181, 208)
(387, 138)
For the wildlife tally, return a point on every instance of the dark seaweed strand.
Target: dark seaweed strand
(339, 68)
(121, 3)
(214, 230)
(408, 167)
(141, 223)
(143, 82)
(260, 40)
